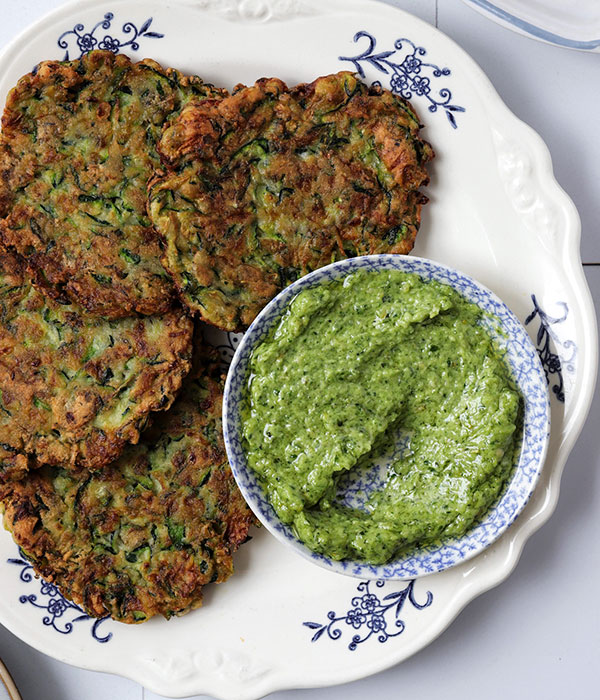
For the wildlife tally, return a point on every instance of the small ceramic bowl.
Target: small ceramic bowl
(523, 361)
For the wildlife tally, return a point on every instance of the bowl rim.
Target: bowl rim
(356, 568)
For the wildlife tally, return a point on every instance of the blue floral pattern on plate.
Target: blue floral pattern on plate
(82, 41)
(370, 614)
(551, 361)
(526, 368)
(60, 610)
(410, 75)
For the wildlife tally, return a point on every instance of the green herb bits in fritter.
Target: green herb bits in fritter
(144, 536)
(270, 183)
(78, 147)
(75, 389)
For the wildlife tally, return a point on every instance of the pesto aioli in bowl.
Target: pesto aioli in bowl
(352, 363)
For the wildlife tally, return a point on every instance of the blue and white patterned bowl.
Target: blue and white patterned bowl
(527, 370)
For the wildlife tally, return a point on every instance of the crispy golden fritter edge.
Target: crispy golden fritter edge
(78, 146)
(267, 184)
(144, 536)
(64, 376)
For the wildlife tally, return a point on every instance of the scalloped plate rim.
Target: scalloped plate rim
(571, 237)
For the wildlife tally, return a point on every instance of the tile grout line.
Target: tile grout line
(591, 264)
(436, 12)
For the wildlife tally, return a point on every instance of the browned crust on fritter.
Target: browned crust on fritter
(144, 536)
(13, 467)
(75, 389)
(339, 167)
(78, 146)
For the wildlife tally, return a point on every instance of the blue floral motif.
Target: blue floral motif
(411, 64)
(404, 65)
(354, 617)
(399, 83)
(58, 607)
(421, 86)
(551, 361)
(380, 616)
(87, 41)
(227, 349)
(369, 602)
(225, 342)
(110, 44)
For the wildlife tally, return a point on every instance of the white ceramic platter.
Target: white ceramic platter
(496, 213)
(574, 25)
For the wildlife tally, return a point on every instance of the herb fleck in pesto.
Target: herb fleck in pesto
(354, 361)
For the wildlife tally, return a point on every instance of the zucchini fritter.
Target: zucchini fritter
(75, 389)
(270, 183)
(78, 147)
(13, 464)
(144, 536)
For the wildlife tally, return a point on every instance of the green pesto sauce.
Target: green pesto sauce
(348, 365)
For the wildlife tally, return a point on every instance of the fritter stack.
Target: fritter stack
(132, 197)
(128, 521)
(146, 533)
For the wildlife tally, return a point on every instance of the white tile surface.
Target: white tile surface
(425, 9)
(552, 89)
(538, 634)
